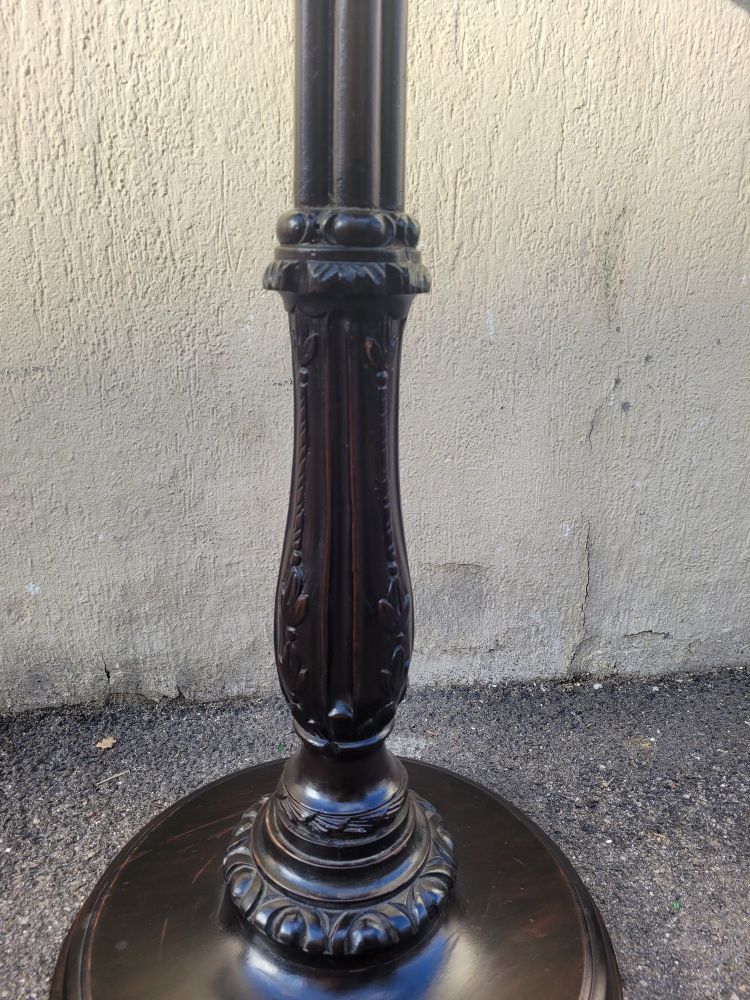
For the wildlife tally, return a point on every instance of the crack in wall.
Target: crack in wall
(106, 673)
(648, 633)
(571, 668)
(593, 423)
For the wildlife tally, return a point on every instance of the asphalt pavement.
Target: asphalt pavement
(644, 784)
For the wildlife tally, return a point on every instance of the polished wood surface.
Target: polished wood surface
(519, 924)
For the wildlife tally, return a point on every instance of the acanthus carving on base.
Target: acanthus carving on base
(340, 931)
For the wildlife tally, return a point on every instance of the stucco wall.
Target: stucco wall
(576, 397)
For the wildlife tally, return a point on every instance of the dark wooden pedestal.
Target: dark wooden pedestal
(519, 925)
(344, 874)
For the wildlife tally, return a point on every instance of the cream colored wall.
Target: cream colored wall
(576, 398)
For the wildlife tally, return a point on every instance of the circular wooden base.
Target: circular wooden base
(519, 926)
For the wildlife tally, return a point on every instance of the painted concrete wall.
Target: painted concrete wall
(576, 397)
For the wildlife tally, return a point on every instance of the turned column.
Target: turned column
(343, 858)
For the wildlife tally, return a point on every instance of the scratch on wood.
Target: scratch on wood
(200, 871)
(163, 935)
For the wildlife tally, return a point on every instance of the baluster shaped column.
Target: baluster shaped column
(343, 858)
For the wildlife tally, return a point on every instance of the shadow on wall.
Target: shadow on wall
(745, 4)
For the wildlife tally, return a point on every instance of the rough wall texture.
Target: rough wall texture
(576, 397)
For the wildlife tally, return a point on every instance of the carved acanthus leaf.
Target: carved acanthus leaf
(394, 609)
(307, 349)
(340, 931)
(294, 601)
(311, 277)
